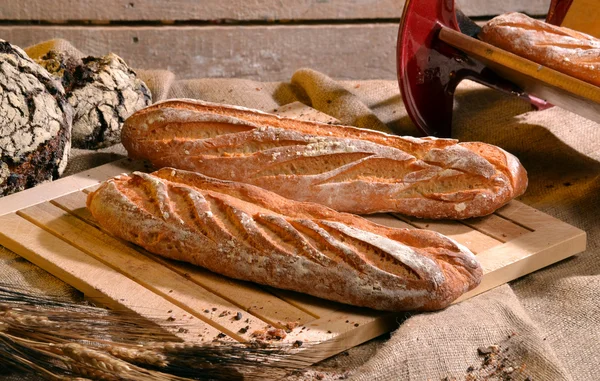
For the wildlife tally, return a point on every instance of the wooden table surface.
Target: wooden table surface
(260, 40)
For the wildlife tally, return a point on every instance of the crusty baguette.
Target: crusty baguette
(348, 169)
(249, 233)
(562, 49)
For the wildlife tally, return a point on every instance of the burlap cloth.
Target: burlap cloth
(548, 322)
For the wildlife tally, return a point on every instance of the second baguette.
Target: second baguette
(562, 49)
(345, 168)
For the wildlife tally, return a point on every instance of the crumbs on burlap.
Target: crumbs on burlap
(501, 362)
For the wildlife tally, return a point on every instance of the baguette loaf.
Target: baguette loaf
(345, 168)
(249, 233)
(559, 48)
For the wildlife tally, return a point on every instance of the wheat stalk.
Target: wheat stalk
(58, 340)
(79, 360)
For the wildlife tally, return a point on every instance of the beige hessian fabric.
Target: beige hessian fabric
(546, 325)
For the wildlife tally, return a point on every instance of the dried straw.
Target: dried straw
(58, 339)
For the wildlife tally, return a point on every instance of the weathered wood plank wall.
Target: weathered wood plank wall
(240, 9)
(255, 39)
(254, 52)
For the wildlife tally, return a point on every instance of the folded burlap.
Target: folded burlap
(545, 326)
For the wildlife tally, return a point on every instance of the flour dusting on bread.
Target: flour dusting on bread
(565, 50)
(345, 168)
(249, 233)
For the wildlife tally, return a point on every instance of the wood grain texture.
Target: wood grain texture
(496, 227)
(100, 282)
(548, 236)
(239, 9)
(476, 241)
(269, 53)
(493, 8)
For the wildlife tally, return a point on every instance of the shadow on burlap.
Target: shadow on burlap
(546, 325)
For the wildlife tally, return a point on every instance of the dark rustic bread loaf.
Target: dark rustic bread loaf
(345, 168)
(35, 122)
(249, 233)
(103, 92)
(559, 48)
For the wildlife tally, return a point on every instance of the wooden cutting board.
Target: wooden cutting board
(50, 226)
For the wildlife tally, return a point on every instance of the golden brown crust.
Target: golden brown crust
(562, 49)
(249, 233)
(345, 168)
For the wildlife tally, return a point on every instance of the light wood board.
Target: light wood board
(51, 227)
(62, 237)
(239, 9)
